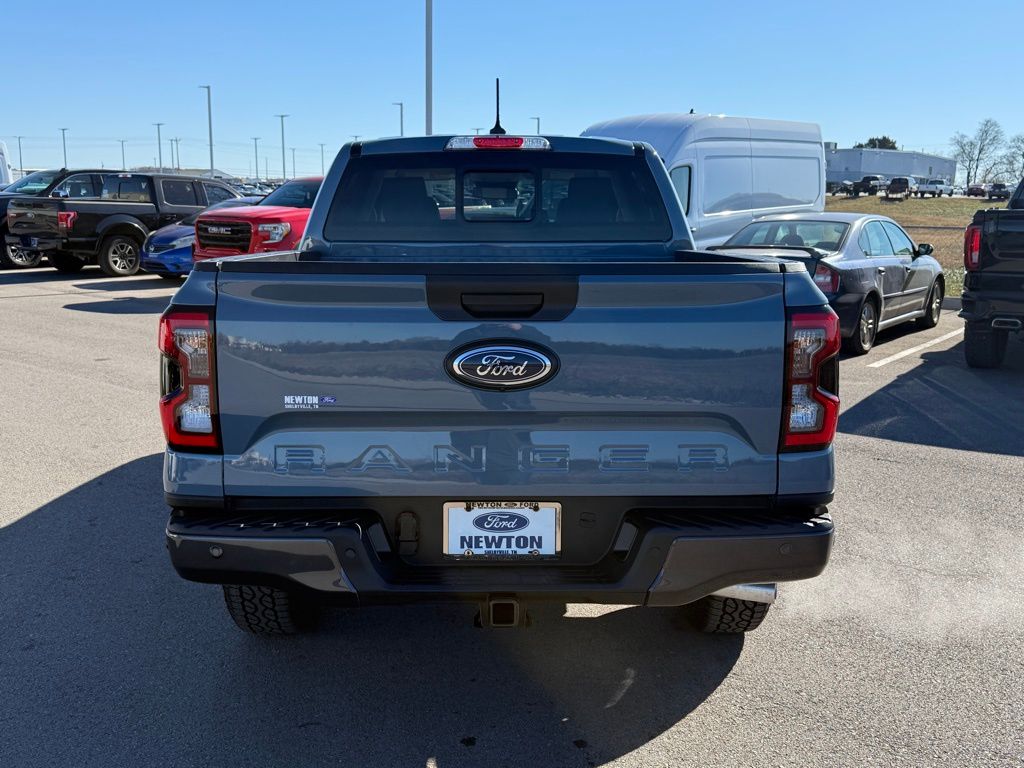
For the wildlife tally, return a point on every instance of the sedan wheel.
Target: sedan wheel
(934, 307)
(863, 337)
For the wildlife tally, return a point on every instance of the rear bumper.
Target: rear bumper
(985, 306)
(35, 242)
(672, 558)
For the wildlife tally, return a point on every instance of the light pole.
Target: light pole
(209, 121)
(177, 152)
(124, 165)
(538, 124)
(21, 162)
(64, 143)
(284, 167)
(476, 131)
(266, 168)
(429, 66)
(159, 147)
(322, 159)
(401, 116)
(293, 163)
(256, 154)
(355, 136)
(171, 142)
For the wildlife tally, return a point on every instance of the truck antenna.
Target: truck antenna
(497, 130)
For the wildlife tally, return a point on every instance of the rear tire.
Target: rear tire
(863, 338)
(15, 257)
(64, 262)
(119, 256)
(983, 347)
(268, 611)
(726, 615)
(933, 309)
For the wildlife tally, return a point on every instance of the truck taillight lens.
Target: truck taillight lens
(811, 393)
(66, 219)
(826, 278)
(972, 247)
(188, 391)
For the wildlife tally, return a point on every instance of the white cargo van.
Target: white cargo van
(729, 170)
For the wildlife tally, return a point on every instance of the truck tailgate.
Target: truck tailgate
(29, 217)
(335, 384)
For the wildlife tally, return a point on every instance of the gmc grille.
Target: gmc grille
(229, 235)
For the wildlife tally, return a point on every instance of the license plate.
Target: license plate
(29, 242)
(502, 529)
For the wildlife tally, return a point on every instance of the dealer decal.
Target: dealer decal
(308, 402)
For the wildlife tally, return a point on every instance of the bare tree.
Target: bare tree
(979, 154)
(1011, 164)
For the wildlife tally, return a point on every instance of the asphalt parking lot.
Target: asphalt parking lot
(907, 651)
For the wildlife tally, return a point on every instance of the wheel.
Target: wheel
(15, 257)
(268, 611)
(119, 256)
(726, 615)
(983, 347)
(863, 338)
(934, 307)
(65, 262)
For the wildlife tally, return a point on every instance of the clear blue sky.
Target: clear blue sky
(335, 67)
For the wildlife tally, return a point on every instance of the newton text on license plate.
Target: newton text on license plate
(497, 529)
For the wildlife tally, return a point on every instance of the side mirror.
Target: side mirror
(924, 249)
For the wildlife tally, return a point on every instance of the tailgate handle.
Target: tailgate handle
(519, 305)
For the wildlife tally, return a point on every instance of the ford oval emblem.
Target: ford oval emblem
(501, 521)
(501, 366)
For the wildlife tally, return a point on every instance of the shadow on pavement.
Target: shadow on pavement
(137, 282)
(944, 403)
(45, 274)
(129, 305)
(110, 659)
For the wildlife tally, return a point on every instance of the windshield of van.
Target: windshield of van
(824, 235)
(34, 183)
(497, 197)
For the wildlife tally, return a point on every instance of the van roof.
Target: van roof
(669, 132)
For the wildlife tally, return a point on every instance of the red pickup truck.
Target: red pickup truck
(275, 223)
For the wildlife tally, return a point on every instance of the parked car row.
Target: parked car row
(125, 222)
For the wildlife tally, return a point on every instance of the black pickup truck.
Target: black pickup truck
(48, 183)
(993, 297)
(108, 226)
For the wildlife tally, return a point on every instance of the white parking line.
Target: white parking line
(912, 350)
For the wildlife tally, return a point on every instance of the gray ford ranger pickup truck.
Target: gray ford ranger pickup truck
(497, 372)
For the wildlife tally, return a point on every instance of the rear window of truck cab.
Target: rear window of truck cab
(496, 196)
(126, 188)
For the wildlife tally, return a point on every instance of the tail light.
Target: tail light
(972, 247)
(826, 278)
(811, 394)
(66, 219)
(188, 391)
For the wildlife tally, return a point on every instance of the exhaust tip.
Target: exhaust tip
(1006, 324)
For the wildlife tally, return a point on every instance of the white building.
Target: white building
(853, 164)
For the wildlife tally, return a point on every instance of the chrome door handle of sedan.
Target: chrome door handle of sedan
(881, 270)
